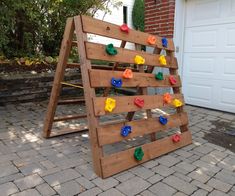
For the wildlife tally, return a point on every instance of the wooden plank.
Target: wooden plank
(71, 101)
(69, 117)
(97, 52)
(109, 134)
(55, 133)
(100, 78)
(59, 75)
(89, 93)
(95, 26)
(124, 160)
(126, 103)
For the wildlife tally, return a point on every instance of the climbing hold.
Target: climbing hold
(172, 80)
(162, 60)
(167, 98)
(139, 154)
(159, 76)
(116, 82)
(151, 40)
(176, 138)
(139, 102)
(111, 50)
(163, 120)
(124, 28)
(125, 131)
(110, 104)
(164, 42)
(177, 103)
(139, 60)
(127, 74)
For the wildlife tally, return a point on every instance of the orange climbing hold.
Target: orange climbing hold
(128, 74)
(151, 40)
(167, 98)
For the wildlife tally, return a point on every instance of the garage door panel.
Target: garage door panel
(227, 68)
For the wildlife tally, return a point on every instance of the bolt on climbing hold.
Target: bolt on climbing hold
(167, 98)
(162, 60)
(176, 138)
(172, 80)
(128, 74)
(125, 130)
(116, 82)
(164, 42)
(151, 40)
(139, 60)
(124, 28)
(139, 154)
(110, 104)
(177, 103)
(159, 76)
(111, 50)
(139, 102)
(163, 120)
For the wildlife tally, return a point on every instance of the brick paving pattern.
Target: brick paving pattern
(31, 165)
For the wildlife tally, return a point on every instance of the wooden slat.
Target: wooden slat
(95, 26)
(97, 52)
(55, 133)
(109, 134)
(126, 103)
(125, 159)
(71, 101)
(102, 79)
(69, 117)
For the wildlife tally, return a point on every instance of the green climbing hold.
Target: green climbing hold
(138, 154)
(111, 50)
(159, 76)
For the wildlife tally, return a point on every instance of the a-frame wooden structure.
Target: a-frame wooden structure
(104, 134)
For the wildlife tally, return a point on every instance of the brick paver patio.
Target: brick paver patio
(31, 165)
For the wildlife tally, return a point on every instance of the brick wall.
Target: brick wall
(159, 17)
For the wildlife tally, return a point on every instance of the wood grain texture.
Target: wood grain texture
(123, 160)
(108, 134)
(126, 103)
(97, 52)
(102, 78)
(99, 27)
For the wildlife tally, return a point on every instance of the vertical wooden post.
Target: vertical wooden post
(59, 75)
(89, 94)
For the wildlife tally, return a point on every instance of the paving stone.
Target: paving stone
(142, 172)
(202, 186)
(163, 170)
(28, 192)
(228, 163)
(179, 194)
(217, 193)
(105, 184)
(85, 183)
(31, 168)
(200, 192)
(91, 192)
(133, 186)
(180, 185)
(186, 166)
(183, 153)
(69, 188)
(199, 175)
(168, 160)
(217, 184)
(61, 177)
(207, 168)
(8, 189)
(150, 164)
(27, 153)
(47, 164)
(147, 193)
(154, 179)
(45, 189)
(8, 157)
(124, 176)
(182, 177)
(112, 192)
(11, 178)
(161, 189)
(28, 182)
(86, 171)
(8, 169)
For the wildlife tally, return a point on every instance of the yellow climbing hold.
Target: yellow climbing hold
(177, 103)
(110, 104)
(139, 60)
(162, 60)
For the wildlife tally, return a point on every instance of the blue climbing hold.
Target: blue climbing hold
(164, 42)
(116, 82)
(125, 131)
(163, 120)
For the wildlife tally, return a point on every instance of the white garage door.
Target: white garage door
(209, 54)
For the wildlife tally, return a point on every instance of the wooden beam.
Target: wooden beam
(56, 133)
(123, 160)
(71, 101)
(99, 27)
(126, 103)
(69, 117)
(109, 134)
(97, 52)
(101, 78)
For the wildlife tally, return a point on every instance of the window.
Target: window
(125, 14)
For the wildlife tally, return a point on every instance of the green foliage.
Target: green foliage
(33, 28)
(138, 15)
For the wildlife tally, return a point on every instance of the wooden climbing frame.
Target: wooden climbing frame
(96, 77)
